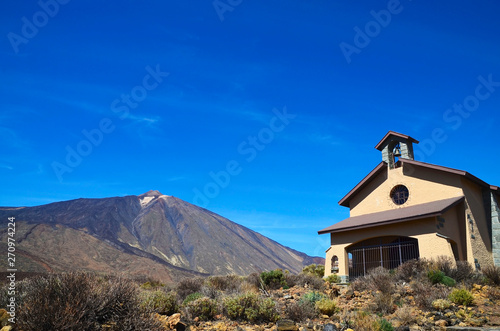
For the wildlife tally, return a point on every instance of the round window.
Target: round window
(399, 194)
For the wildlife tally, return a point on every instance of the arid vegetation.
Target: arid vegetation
(419, 295)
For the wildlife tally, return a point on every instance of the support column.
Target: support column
(495, 229)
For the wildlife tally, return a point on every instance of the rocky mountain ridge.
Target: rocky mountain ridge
(151, 234)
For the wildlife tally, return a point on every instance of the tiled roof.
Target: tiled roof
(398, 215)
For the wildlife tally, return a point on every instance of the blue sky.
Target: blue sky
(270, 109)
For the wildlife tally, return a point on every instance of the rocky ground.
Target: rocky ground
(353, 313)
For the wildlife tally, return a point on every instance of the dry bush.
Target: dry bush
(357, 320)
(492, 274)
(463, 272)
(189, 286)
(445, 264)
(383, 303)
(377, 279)
(230, 284)
(311, 281)
(254, 280)
(493, 293)
(412, 269)
(425, 293)
(299, 311)
(81, 301)
(406, 315)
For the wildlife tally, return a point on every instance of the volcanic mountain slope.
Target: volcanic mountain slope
(151, 234)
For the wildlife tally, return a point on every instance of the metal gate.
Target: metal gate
(389, 253)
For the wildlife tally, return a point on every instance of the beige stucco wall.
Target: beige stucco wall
(478, 235)
(424, 230)
(424, 185)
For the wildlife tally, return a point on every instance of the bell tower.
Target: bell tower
(394, 146)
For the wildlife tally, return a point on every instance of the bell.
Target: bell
(397, 151)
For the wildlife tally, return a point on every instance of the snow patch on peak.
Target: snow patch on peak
(146, 200)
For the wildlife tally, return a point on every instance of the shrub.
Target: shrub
(313, 297)
(251, 307)
(461, 297)
(444, 264)
(160, 302)
(192, 297)
(492, 274)
(362, 321)
(317, 270)
(81, 301)
(411, 269)
(204, 308)
(230, 283)
(383, 303)
(439, 277)
(441, 304)
(406, 315)
(189, 286)
(377, 279)
(299, 311)
(326, 306)
(332, 279)
(152, 284)
(273, 279)
(384, 325)
(425, 293)
(462, 272)
(308, 280)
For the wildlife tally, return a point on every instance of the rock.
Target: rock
(286, 325)
(441, 323)
(330, 327)
(288, 297)
(402, 328)
(173, 320)
(6, 328)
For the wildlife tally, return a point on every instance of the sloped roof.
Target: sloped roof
(345, 200)
(397, 134)
(399, 215)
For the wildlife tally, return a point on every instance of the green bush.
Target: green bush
(333, 279)
(439, 277)
(152, 284)
(461, 297)
(160, 302)
(273, 279)
(251, 307)
(384, 325)
(326, 306)
(435, 276)
(192, 297)
(204, 308)
(313, 297)
(317, 270)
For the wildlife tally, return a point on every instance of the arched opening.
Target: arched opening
(335, 264)
(388, 252)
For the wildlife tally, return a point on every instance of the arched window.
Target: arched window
(335, 264)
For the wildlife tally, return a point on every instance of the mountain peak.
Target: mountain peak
(152, 193)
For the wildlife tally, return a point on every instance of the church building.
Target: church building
(406, 209)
